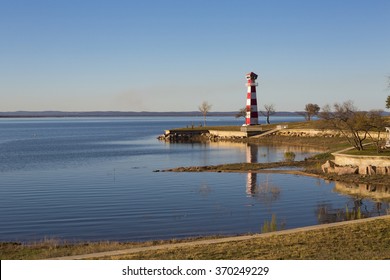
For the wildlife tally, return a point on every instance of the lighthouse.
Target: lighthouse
(252, 115)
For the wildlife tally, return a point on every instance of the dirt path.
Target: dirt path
(213, 241)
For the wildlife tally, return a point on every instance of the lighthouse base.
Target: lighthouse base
(251, 130)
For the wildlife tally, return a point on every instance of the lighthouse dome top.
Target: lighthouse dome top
(251, 76)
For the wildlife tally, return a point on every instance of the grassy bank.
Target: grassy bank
(362, 240)
(369, 240)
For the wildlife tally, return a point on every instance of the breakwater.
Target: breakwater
(183, 135)
(242, 133)
(212, 134)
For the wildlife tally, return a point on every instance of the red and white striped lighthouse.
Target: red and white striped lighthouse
(252, 115)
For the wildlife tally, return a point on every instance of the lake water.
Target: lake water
(92, 179)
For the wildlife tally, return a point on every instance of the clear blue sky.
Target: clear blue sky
(76, 55)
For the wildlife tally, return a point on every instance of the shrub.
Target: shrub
(289, 156)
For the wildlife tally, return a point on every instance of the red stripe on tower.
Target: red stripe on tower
(252, 115)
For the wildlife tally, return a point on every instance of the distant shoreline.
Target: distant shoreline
(61, 114)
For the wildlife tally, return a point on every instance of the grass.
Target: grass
(365, 240)
(51, 248)
(289, 156)
(271, 226)
(237, 167)
(369, 240)
(313, 124)
(369, 150)
(352, 214)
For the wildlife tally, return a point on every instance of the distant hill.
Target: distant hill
(61, 114)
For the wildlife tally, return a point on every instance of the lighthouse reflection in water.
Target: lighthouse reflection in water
(251, 157)
(264, 191)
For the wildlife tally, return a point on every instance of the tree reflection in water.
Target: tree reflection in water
(354, 209)
(376, 191)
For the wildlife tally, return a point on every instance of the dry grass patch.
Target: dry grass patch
(363, 240)
(54, 248)
(368, 240)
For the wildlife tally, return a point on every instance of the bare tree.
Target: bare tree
(354, 125)
(204, 108)
(269, 111)
(241, 113)
(345, 119)
(376, 124)
(311, 110)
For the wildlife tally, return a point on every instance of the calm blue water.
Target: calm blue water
(92, 179)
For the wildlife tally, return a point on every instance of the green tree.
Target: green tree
(388, 102)
(311, 110)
